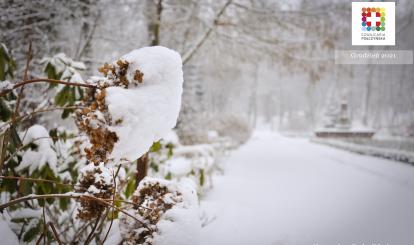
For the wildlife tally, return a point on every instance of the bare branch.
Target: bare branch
(34, 180)
(55, 234)
(190, 53)
(69, 195)
(38, 80)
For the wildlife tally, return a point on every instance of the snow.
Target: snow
(66, 66)
(278, 190)
(26, 213)
(179, 166)
(114, 236)
(181, 225)
(5, 85)
(102, 175)
(171, 137)
(393, 154)
(150, 110)
(178, 225)
(196, 162)
(7, 235)
(44, 154)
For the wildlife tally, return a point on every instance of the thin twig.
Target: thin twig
(113, 203)
(44, 225)
(34, 180)
(33, 197)
(69, 195)
(192, 50)
(47, 80)
(23, 146)
(81, 229)
(49, 109)
(127, 202)
(40, 238)
(55, 234)
(41, 111)
(90, 236)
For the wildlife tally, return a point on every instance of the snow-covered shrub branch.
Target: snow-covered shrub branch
(119, 117)
(139, 98)
(170, 209)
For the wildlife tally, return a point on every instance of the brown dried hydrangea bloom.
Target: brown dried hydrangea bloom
(94, 118)
(152, 200)
(95, 181)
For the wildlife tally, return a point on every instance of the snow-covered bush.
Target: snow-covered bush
(42, 155)
(173, 161)
(234, 126)
(61, 67)
(164, 212)
(119, 116)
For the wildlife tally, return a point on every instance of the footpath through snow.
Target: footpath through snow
(281, 191)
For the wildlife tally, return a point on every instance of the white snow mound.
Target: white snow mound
(150, 110)
(181, 224)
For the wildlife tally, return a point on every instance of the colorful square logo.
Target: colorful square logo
(373, 23)
(373, 19)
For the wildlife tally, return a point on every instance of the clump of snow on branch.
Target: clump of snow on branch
(169, 210)
(151, 109)
(134, 105)
(42, 155)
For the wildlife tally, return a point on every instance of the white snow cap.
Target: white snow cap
(181, 224)
(150, 110)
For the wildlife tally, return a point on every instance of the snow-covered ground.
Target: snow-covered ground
(278, 190)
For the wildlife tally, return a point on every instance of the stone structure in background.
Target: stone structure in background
(337, 122)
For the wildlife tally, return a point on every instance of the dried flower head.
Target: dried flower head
(95, 181)
(152, 199)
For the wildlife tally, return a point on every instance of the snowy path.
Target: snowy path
(279, 190)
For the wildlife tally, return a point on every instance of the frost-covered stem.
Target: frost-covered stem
(47, 80)
(69, 195)
(91, 234)
(44, 225)
(50, 109)
(41, 111)
(34, 180)
(33, 197)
